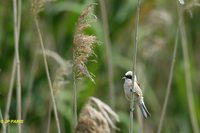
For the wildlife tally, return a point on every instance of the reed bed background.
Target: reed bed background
(56, 55)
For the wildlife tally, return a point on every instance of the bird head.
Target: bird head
(129, 75)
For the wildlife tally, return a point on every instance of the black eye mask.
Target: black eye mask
(128, 76)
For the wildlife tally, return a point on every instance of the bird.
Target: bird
(138, 95)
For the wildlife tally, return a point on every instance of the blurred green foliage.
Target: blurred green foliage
(158, 23)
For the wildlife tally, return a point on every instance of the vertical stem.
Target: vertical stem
(10, 92)
(136, 39)
(75, 100)
(17, 21)
(48, 75)
(108, 52)
(188, 82)
(139, 119)
(28, 98)
(170, 80)
(75, 94)
(49, 119)
(131, 113)
(3, 124)
(134, 67)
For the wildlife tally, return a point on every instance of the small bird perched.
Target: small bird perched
(138, 96)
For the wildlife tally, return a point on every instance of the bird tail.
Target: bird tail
(144, 110)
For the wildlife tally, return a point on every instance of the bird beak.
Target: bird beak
(124, 78)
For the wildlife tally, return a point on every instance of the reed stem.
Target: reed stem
(17, 24)
(108, 53)
(48, 75)
(134, 66)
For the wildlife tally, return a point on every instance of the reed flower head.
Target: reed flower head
(96, 117)
(83, 44)
(38, 5)
(63, 71)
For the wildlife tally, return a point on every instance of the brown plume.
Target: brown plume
(96, 117)
(83, 44)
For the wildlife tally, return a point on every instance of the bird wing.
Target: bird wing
(137, 89)
(138, 84)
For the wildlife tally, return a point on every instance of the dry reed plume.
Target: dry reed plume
(83, 44)
(62, 72)
(96, 117)
(82, 50)
(38, 5)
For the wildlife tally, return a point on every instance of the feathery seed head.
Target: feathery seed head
(83, 44)
(96, 117)
(38, 5)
